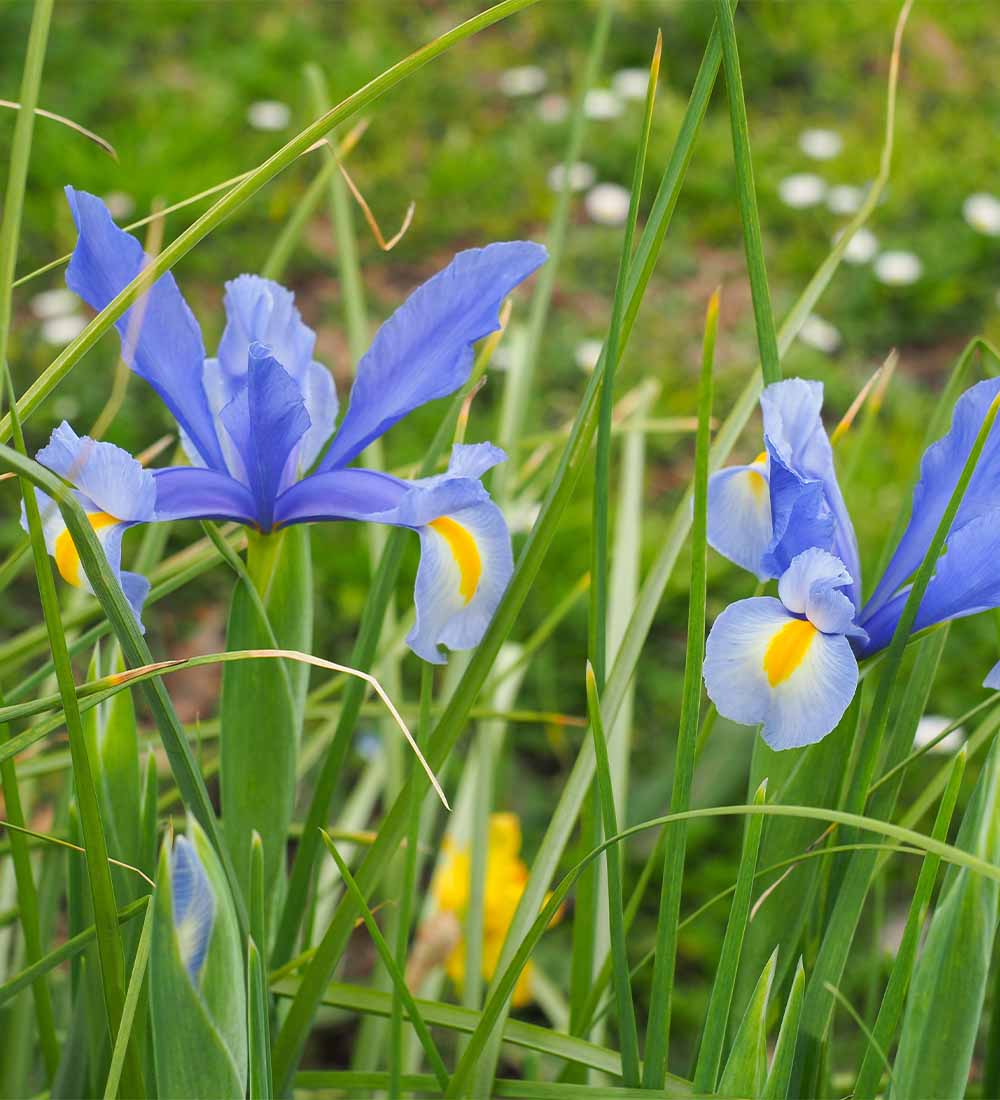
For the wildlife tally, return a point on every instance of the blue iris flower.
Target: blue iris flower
(791, 664)
(193, 906)
(258, 423)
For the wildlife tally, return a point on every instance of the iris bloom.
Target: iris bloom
(506, 877)
(791, 664)
(258, 423)
(193, 906)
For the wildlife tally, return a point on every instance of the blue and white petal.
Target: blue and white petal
(114, 491)
(800, 515)
(261, 311)
(739, 515)
(465, 565)
(424, 351)
(764, 666)
(193, 906)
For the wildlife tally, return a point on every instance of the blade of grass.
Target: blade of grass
(408, 892)
(780, 1075)
(658, 1026)
(135, 982)
(258, 1027)
(398, 979)
(629, 1035)
(746, 194)
(102, 894)
(720, 1000)
(245, 189)
(893, 1000)
(27, 902)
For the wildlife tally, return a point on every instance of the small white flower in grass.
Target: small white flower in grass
(58, 302)
(553, 108)
(630, 83)
(898, 268)
(522, 80)
(607, 204)
(982, 212)
(845, 198)
(521, 516)
(581, 176)
(269, 114)
(930, 726)
(862, 247)
(586, 354)
(802, 190)
(120, 203)
(59, 331)
(820, 334)
(601, 104)
(820, 144)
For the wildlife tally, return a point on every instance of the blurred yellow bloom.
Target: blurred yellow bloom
(506, 876)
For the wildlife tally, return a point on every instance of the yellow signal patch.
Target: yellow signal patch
(465, 552)
(66, 555)
(787, 649)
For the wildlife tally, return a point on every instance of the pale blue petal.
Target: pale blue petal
(105, 474)
(992, 680)
(800, 515)
(193, 906)
(801, 709)
(261, 311)
(160, 337)
(424, 350)
(739, 516)
(320, 397)
(940, 469)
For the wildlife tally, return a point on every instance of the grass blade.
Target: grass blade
(780, 1075)
(767, 343)
(258, 1027)
(619, 954)
(891, 1010)
(746, 1067)
(717, 1015)
(398, 979)
(135, 983)
(658, 1027)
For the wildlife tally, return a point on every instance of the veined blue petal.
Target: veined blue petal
(765, 666)
(259, 311)
(266, 420)
(465, 565)
(319, 394)
(192, 492)
(800, 516)
(940, 469)
(193, 905)
(166, 347)
(966, 580)
(424, 350)
(108, 476)
(739, 515)
(810, 586)
(803, 515)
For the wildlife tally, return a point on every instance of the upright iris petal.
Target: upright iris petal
(786, 664)
(424, 350)
(739, 514)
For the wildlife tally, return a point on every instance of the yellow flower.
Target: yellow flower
(506, 876)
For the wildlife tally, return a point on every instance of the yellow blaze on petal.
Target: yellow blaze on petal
(758, 484)
(787, 649)
(465, 552)
(66, 555)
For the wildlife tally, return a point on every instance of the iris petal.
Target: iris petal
(192, 492)
(167, 348)
(266, 420)
(965, 581)
(193, 905)
(796, 685)
(940, 469)
(739, 516)
(424, 350)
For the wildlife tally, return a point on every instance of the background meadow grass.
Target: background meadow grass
(170, 84)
